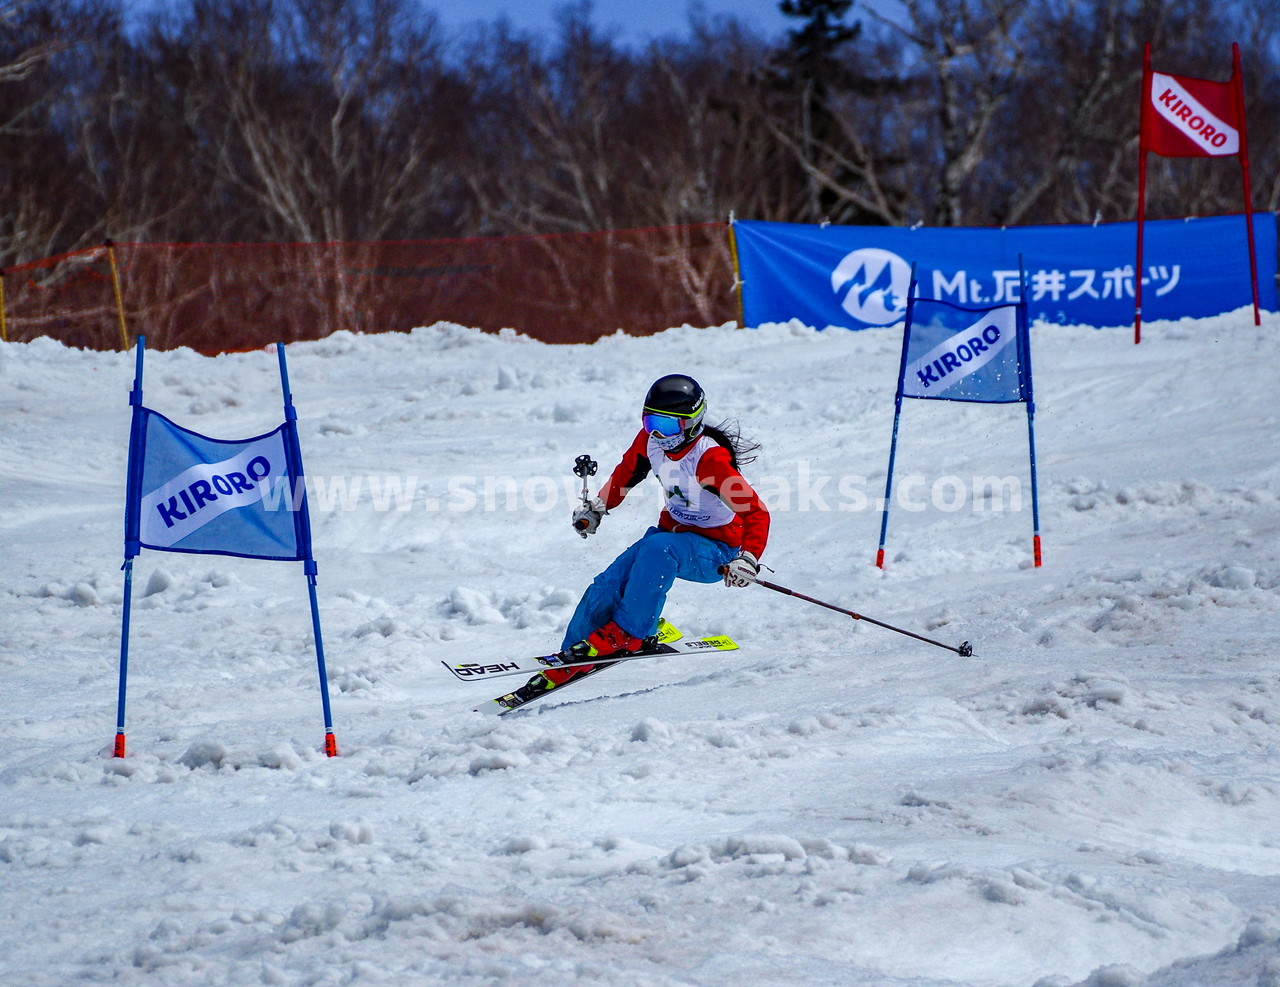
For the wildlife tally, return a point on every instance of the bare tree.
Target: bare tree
(40, 214)
(819, 98)
(556, 126)
(969, 55)
(338, 118)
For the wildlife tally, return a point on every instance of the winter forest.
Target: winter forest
(338, 120)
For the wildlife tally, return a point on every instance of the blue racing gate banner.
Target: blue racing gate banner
(961, 354)
(859, 276)
(216, 496)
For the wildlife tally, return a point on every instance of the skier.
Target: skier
(713, 523)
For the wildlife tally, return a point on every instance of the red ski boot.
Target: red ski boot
(602, 642)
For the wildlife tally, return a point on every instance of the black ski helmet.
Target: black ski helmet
(681, 397)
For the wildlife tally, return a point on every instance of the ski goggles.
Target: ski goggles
(664, 425)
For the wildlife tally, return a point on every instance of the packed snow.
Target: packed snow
(1092, 798)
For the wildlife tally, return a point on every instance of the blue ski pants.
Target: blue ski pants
(632, 591)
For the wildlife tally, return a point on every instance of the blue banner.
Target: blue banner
(859, 276)
(952, 353)
(191, 493)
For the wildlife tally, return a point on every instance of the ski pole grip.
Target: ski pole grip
(584, 466)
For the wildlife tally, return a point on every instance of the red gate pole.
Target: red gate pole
(1237, 81)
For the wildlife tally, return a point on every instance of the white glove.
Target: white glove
(742, 571)
(587, 517)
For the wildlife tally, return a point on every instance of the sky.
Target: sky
(633, 21)
(628, 21)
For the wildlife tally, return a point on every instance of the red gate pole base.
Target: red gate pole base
(119, 747)
(330, 745)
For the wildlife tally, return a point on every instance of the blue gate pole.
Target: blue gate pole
(302, 532)
(330, 742)
(897, 416)
(1028, 395)
(131, 546)
(124, 658)
(888, 483)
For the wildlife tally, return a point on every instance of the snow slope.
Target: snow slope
(1093, 798)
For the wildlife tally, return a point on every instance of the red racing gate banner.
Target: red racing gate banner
(1184, 117)
(1190, 118)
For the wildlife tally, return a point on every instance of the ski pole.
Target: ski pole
(584, 466)
(965, 650)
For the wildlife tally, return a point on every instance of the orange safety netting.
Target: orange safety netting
(563, 288)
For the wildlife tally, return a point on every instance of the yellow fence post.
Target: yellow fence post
(4, 325)
(115, 283)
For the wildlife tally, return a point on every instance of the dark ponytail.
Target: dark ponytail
(742, 452)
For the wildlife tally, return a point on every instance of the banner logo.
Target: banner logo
(964, 353)
(205, 491)
(1174, 102)
(471, 670)
(875, 283)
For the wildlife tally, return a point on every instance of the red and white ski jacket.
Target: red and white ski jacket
(702, 490)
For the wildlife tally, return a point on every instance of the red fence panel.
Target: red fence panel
(562, 288)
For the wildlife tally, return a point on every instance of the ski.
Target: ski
(472, 671)
(513, 700)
